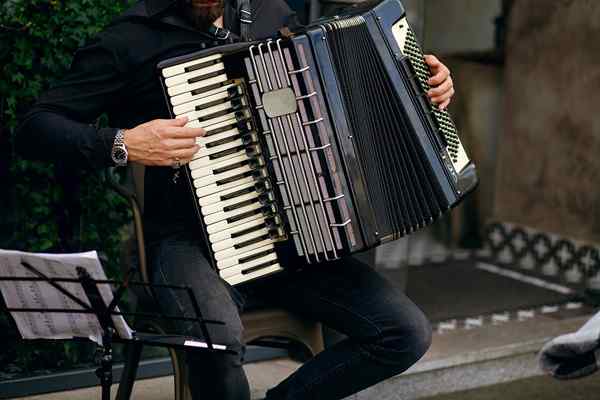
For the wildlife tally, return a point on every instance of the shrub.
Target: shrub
(41, 207)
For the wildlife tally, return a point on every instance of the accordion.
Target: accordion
(323, 140)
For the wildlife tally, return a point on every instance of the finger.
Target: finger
(440, 99)
(439, 77)
(180, 121)
(181, 157)
(178, 144)
(441, 89)
(185, 154)
(182, 132)
(432, 60)
(445, 104)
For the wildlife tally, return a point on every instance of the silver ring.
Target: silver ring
(176, 163)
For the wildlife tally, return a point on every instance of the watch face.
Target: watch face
(119, 155)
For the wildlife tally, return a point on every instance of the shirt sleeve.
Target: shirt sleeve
(60, 126)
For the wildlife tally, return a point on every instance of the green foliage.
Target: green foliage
(37, 42)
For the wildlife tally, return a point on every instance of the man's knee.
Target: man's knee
(404, 341)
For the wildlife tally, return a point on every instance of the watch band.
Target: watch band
(119, 150)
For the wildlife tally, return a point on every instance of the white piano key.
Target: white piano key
(204, 152)
(227, 233)
(207, 112)
(233, 122)
(188, 87)
(208, 125)
(188, 96)
(201, 101)
(219, 207)
(180, 69)
(229, 243)
(224, 215)
(206, 201)
(222, 225)
(201, 159)
(214, 188)
(239, 268)
(208, 170)
(207, 140)
(185, 77)
(231, 257)
(230, 262)
(210, 179)
(237, 279)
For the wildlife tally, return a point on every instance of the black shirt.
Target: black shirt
(116, 74)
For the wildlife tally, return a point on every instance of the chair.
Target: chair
(269, 327)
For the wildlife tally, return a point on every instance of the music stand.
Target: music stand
(110, 320)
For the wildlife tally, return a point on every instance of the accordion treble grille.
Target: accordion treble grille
(442, 117)
(299, 148)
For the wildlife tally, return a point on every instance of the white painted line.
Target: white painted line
(573, 306)
(202, 345)
(524, 278)
(550, 309)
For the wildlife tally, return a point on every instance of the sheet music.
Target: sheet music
(42, 295)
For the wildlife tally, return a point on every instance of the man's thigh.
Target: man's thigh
(178, 260)
(348, 296)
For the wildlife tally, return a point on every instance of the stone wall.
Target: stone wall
(477, 112)
(549, 164)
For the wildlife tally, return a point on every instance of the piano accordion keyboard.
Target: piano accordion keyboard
(228, 174)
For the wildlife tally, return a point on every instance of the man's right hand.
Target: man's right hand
(162, 142)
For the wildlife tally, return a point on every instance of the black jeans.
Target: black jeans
(386, 332)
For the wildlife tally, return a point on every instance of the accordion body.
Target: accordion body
(324, 141)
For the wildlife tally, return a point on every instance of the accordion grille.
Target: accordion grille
(442, 117)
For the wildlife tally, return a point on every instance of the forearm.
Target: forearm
(49, 136)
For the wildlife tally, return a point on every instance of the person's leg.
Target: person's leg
(387, 332)
(178, 260)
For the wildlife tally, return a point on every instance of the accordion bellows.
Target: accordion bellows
(325, 140)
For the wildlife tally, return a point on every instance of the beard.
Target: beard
(202, 13)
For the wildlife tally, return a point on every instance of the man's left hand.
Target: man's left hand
(442, 87)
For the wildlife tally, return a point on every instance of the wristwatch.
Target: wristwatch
(119, 150)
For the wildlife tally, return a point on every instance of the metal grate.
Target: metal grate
(442, 117)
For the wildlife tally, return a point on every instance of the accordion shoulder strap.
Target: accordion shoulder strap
(245, 15)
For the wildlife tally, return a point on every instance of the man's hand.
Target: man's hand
(163, 142)
(442, 87)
